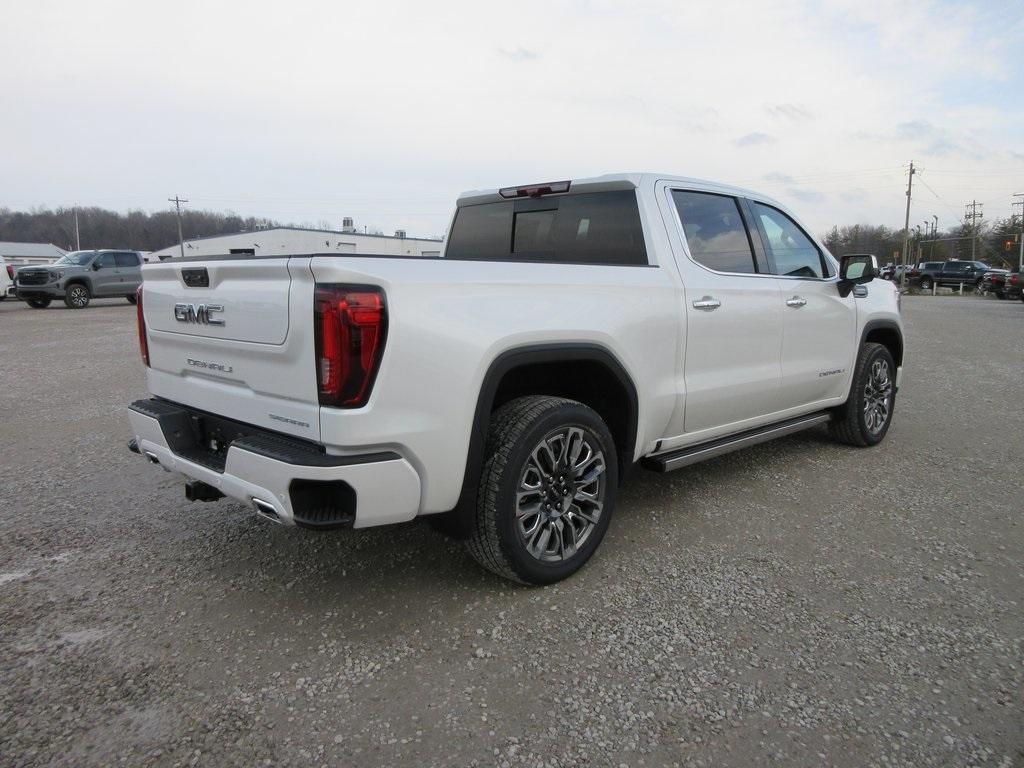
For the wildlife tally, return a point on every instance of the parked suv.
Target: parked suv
(80, 276)
(950, 274)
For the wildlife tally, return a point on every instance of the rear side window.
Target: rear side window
(594, 228)
(794, 253)
(127, 260)
(715, 232)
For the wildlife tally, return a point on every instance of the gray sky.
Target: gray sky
(308, 111)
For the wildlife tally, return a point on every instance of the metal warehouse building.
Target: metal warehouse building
(19, 254)
(288, 241)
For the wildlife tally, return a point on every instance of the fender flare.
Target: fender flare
(517, 357)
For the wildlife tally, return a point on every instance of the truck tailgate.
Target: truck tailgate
(234, 337)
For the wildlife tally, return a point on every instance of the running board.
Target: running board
(692, 454)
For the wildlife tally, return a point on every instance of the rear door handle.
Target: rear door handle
(796, 301)
(707, 303)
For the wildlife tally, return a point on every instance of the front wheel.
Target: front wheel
(77, 296)
(38, 303)
(865, 417)
(547, 490)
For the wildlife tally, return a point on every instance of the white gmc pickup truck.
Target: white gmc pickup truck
(569, 331)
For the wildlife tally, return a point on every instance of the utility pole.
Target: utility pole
(1020, 252)
(177, 204)
(906, 228)
(78, 242)
(974, 217)
(935, 234)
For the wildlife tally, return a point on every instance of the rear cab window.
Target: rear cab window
(584, 228)
(715, 232)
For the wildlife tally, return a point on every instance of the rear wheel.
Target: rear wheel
(38, 303)
(865, 417)
(77, 296)
(547, 490)
(131, 299)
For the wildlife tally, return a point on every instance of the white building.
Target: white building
(291, 241)
(20, 254)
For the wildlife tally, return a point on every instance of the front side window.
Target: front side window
(792, 251)
(715, 232)
(106, 260)
(590, 228)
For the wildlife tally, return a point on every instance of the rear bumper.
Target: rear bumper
(265, 470)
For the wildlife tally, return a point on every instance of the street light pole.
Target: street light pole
(1020, 252)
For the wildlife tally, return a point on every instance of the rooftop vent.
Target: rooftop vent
(400, 233)
(347, 225)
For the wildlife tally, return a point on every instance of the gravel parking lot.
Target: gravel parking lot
(799, 603)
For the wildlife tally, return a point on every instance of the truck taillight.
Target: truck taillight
(350, 326)
(141, 322)
(10, 271)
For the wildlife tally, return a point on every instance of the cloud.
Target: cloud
(853, 196)
(519, 54)
(930, 140)
(792, 112)
(778, 177)
(805, 195)
(754, 139)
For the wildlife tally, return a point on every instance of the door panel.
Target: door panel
(731, 366)
(732, 352)
(817, 337)
(105, 279)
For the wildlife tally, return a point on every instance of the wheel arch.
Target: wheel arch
(589, 373)
(888, 334)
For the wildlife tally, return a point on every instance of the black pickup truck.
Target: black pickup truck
(951, 274)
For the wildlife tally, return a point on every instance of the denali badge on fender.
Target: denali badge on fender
(198, 313)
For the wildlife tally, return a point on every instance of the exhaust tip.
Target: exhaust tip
(266, 511)
(133, 446)
(153, 458)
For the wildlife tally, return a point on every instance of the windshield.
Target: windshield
(76, 258)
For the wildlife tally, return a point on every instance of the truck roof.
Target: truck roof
(616, 181)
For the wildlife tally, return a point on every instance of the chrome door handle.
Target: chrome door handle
(707, 303)
(796, 301)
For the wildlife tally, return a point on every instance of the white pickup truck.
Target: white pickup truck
(569, 331)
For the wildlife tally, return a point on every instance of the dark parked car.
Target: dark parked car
(1012, 286)
(951, 274)
(993, 282)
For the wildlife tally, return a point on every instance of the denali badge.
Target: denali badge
(198, 313)
(209, 365)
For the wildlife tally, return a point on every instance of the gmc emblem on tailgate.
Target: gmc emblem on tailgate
(198, 313)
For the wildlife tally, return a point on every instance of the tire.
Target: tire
(131, 299)
(1000, 295)
(926, 284)
(77, 296)
(38, 303)
(859, 422)
(531, 441)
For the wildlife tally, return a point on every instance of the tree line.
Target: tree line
(988, 243)
(135, 230)
(139, 230)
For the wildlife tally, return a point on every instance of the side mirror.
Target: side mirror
(856, 269)
(96, 266)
